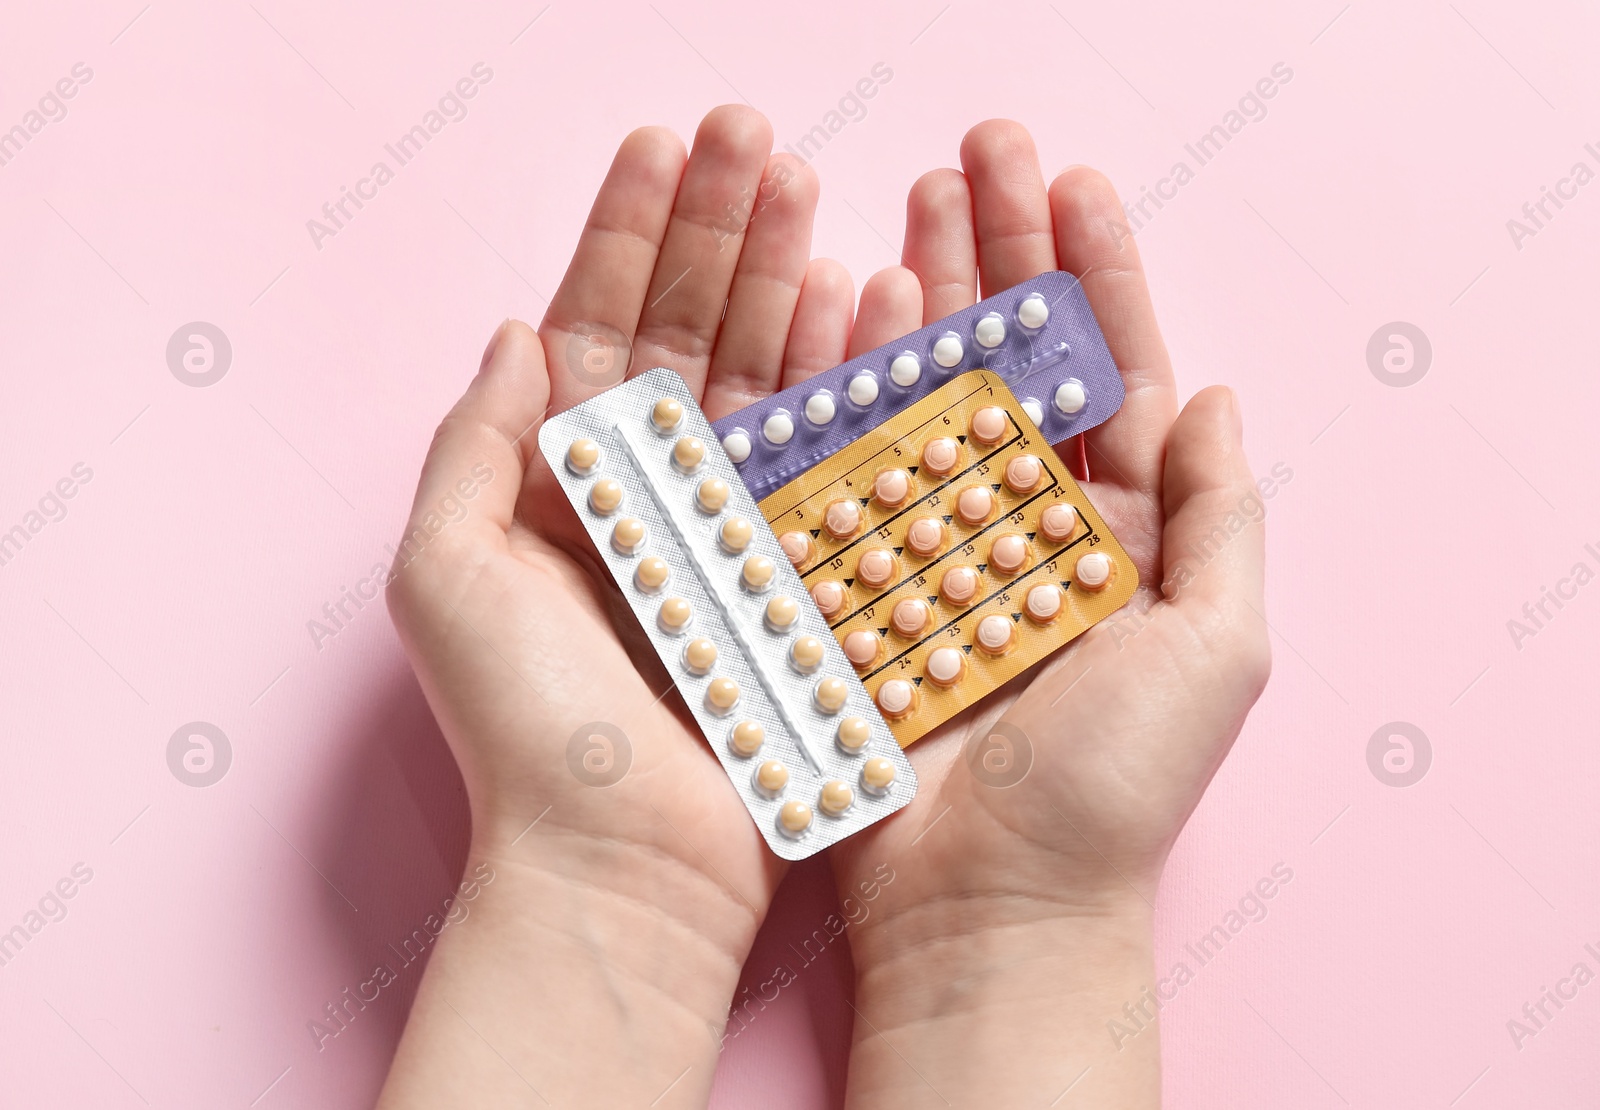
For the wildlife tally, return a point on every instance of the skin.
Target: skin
(597, 965)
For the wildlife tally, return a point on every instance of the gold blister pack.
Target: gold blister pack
(949, 550)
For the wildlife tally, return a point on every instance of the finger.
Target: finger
(476, 462)
(891, 306)
(941, 248)
(689, 290)
(748, 361)
(1093, 242)
(821, 328)
(590, 323)
(1011, 210)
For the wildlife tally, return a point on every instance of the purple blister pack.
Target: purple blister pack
(1040, 336)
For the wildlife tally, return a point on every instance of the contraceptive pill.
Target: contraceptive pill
(863, 389)
(583, 456)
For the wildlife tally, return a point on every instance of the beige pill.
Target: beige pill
(628, 536)
(781, 613)
(877, 775)
(667, 414)
(911, 617)
(1094, 570)
(891, 488)
(996, 635)
(842, 519)
(798, 546)
(1043, 604)
(975, 504)
(583, 456)
(688, 453)
(862, 648)
(1058, 522)
(853, 734)
(940, 455)
(722, 695)
(830, 598)
(1023, 473)
(735, 534)
(700, 655)
(652, 574)
(989, 425)
(674, 615)
(771, 777)
(757, 573)
(794, 818)
(836, 797)
(926, 536)
(875, 567)
(746, 738)
(805, 654)
(711, 495)
(897, 699)
(1009, 553)
(959, 585)
(946, 666)
(831, 694)
(605, 495)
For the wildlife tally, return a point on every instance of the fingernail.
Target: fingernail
(494, 341)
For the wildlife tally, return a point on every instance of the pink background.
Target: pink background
(219, 520)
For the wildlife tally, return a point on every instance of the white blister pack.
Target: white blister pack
(769, 685)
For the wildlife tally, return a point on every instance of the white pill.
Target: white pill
(820, 408)
(990, 331)
(737, 445)
(1031, 406)
(863, 389)
(1033, 312)
(947, 351)
(779, 427)
(905, 370)
(1070, 396)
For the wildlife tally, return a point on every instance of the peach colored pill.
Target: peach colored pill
(940, 455)
(757, 573)
(1043, 604)
(946, 666)
(829, 597)
(735, 534)
(771, 777)
(712, 494)
(628, 535)
(1094, 570)
(652, 574)
(897, 699)
(746, 738)
(975, 504)
(722, 695)
(891, 488)
(910, 617)
(877, 775)
(699, 655)
(805, 654)
(959, 585)
(989, 425)
(926, 536)
(688, 453)
(794, 818)
(875, 567)
(605, 496)
(667, 414)
(1058, 522)
(995, 635)
(798, 546)
(831, 694)
(842, 518)
(861, 647)
(781, 613)
(1009, 553)
(854, 732)
(836, 797)
(583, 456)
(1023, 473)
(674, 615)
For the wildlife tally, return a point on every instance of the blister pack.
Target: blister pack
(1040, 336)
(780, 705)
(949, 550)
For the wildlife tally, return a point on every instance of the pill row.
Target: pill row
(778, 702)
